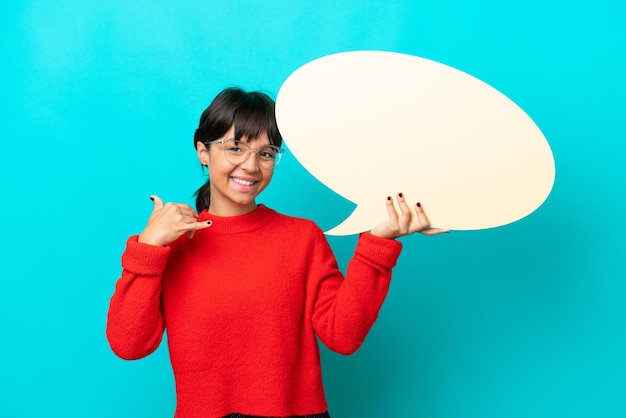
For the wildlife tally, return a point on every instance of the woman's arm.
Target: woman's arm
(135, 320)
(345, 309)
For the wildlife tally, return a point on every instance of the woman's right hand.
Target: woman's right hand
(169, 221)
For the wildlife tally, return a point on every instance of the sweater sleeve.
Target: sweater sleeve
(345, 309)
(135, 321)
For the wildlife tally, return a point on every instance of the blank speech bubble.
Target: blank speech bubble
(370, 124)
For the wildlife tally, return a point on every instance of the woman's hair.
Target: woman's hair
(252, 113)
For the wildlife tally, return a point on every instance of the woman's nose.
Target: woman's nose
(250, 163)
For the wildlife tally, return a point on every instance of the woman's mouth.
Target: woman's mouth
(243, 182)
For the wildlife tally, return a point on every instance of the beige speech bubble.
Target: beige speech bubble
(369, 124)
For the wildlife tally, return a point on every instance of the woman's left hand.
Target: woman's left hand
(405, 224)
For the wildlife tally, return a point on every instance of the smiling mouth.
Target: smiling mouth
(243, 182)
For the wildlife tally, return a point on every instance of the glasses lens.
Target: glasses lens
(237, 152)
(268, 156)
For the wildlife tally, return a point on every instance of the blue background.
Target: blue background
(99, 101)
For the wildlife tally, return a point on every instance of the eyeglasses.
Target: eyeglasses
(236, 152)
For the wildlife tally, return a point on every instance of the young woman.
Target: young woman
(242, 290)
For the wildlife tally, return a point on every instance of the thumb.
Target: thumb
(158, 203)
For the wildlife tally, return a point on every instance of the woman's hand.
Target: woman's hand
(169, 221)
(399, 226)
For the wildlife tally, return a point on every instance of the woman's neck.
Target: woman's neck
(231, 210)
(224, 225)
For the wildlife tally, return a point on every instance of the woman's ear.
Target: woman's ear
(203, 153)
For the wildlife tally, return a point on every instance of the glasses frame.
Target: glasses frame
(279, 151)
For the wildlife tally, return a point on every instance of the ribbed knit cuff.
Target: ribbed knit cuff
(144, 259)
(382, 251)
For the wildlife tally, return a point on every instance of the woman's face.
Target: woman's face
(234, 187)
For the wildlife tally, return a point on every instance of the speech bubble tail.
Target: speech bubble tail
(359, 220)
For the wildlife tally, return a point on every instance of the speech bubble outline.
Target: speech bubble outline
(373, 123)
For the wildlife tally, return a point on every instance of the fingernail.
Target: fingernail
(152, 198)
(209, 222)
(400, 194)
(419, 205)
(388, 197)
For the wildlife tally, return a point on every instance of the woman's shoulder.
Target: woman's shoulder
(298, 223)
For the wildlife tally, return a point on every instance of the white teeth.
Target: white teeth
(243, 182)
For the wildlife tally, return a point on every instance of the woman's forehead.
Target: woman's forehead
(262, 139)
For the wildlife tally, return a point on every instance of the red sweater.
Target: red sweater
(243, 302)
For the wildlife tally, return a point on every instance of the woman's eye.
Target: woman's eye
(235, 147)
(267, 154)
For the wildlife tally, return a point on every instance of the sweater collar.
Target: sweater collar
(258, 218)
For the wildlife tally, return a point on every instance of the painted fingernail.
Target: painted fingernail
(388, 197)
(209, 222)
(400, 194)
(152, 198)
(419, 205)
